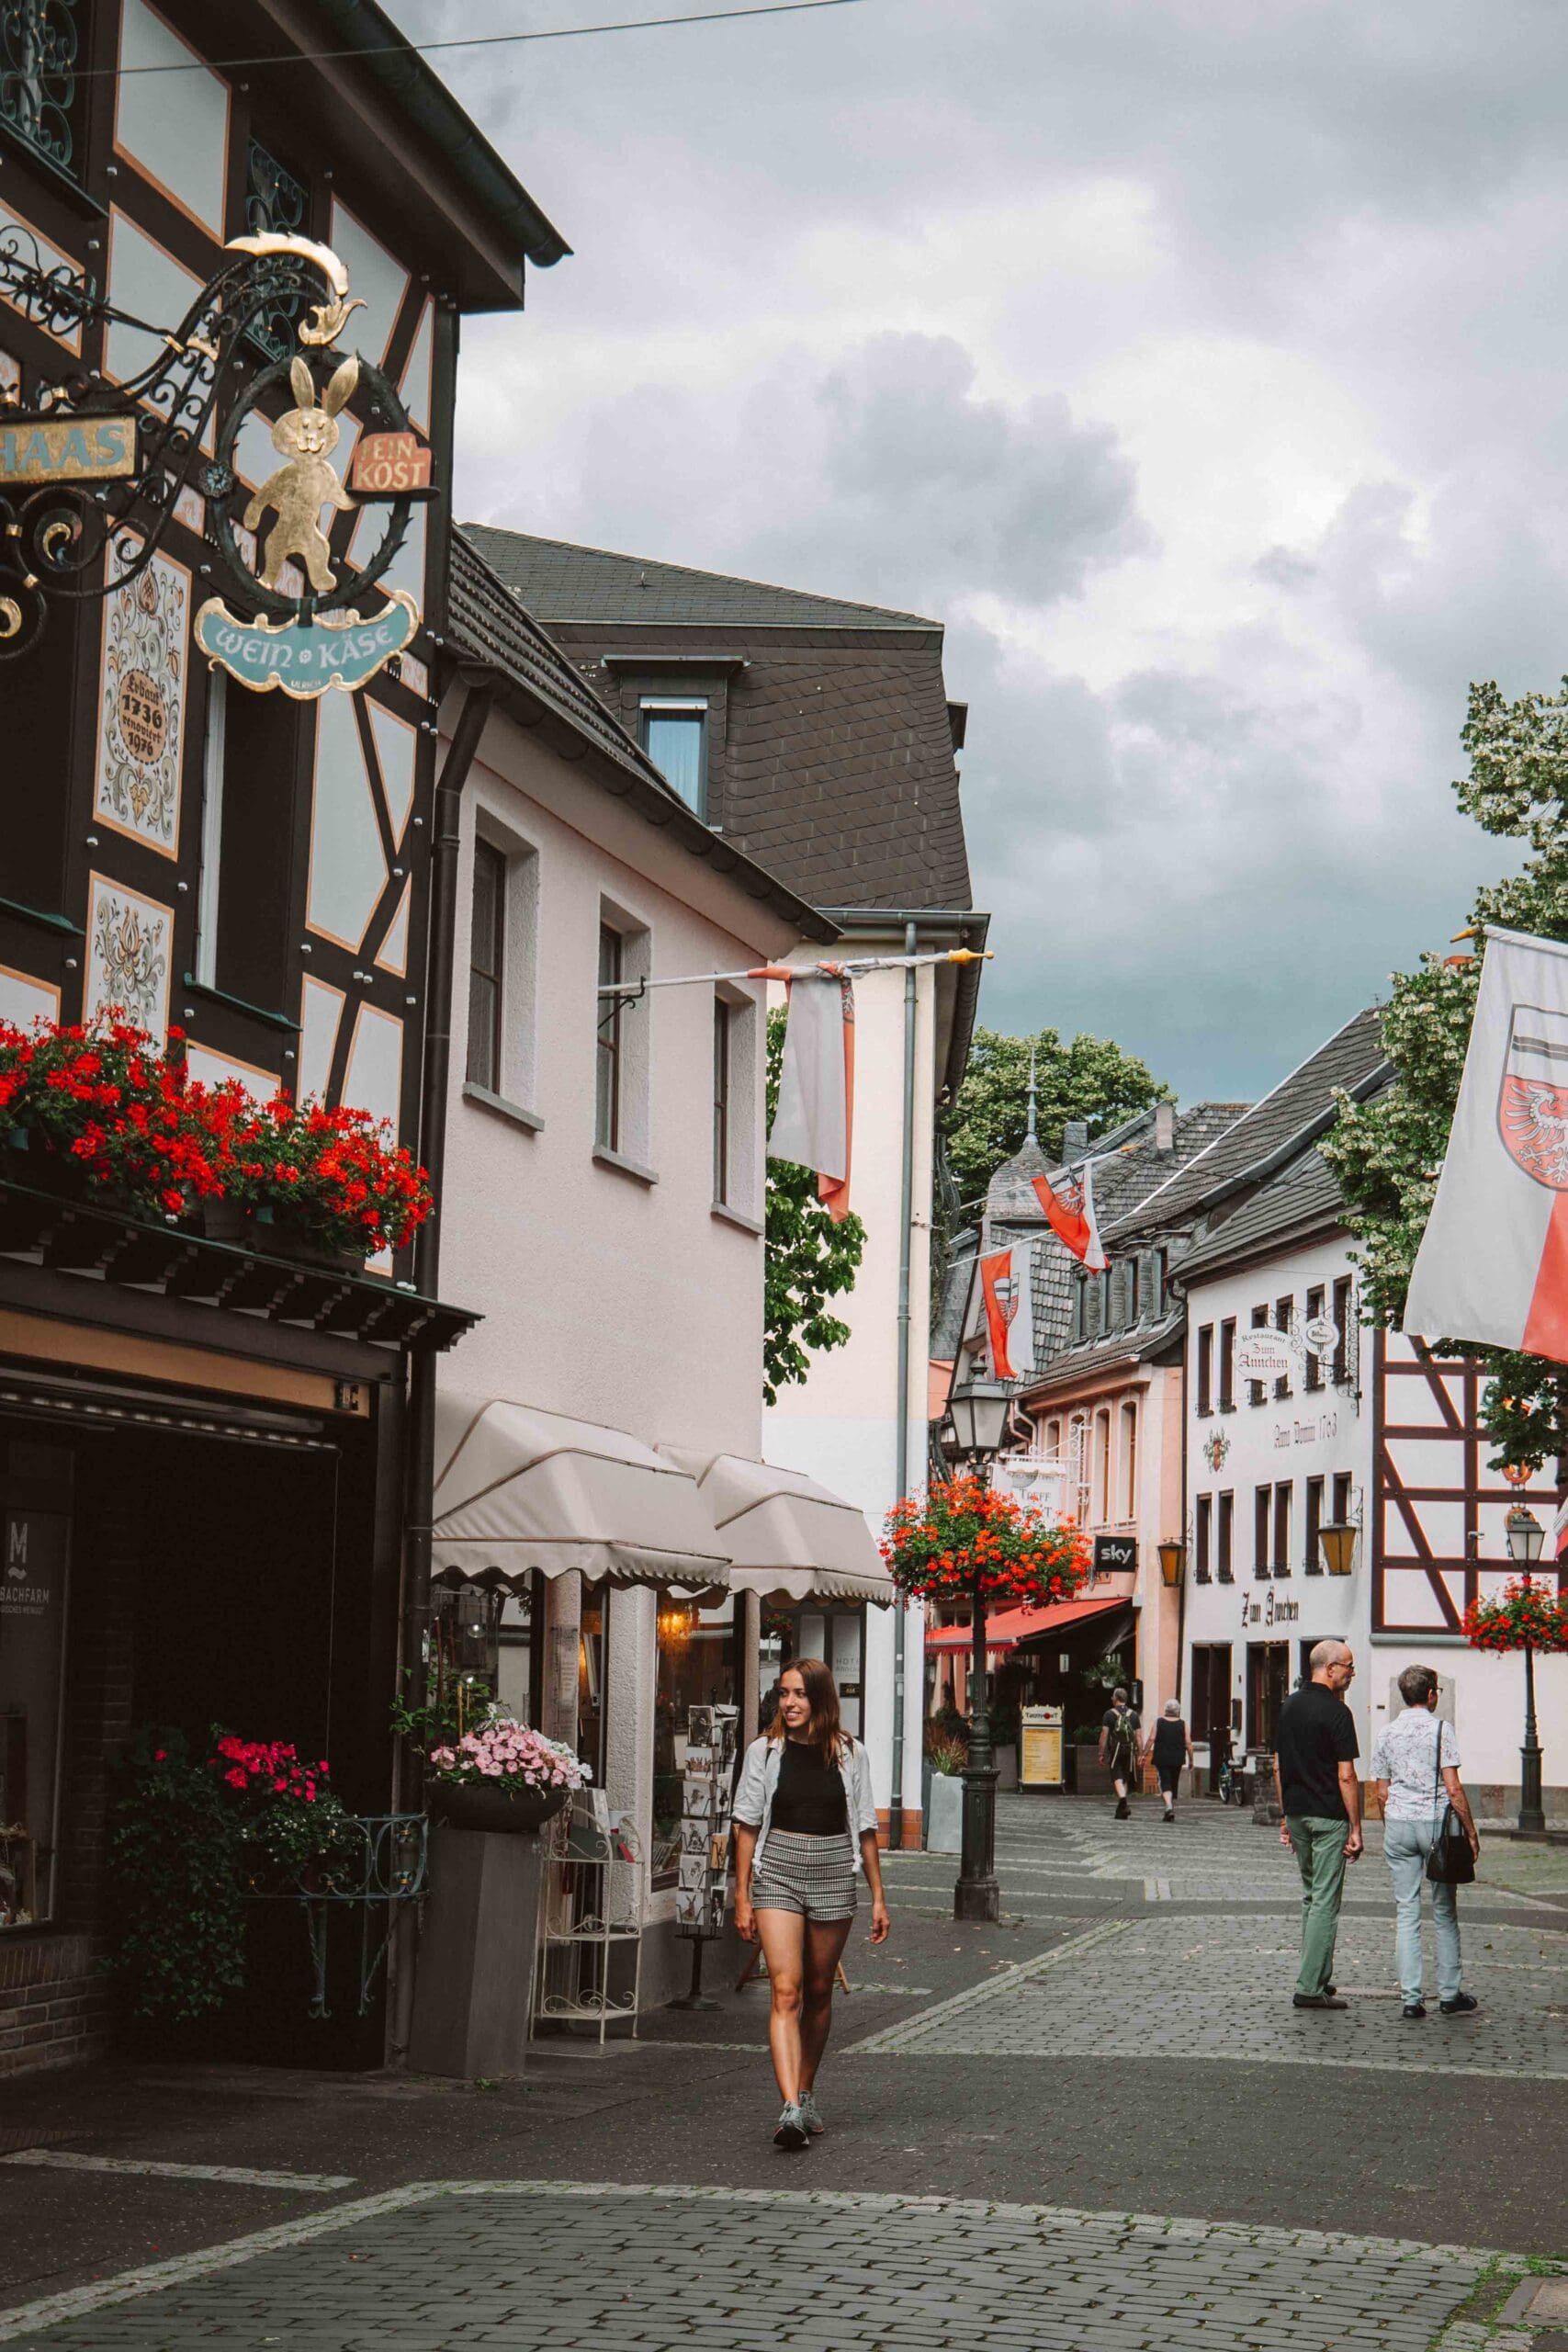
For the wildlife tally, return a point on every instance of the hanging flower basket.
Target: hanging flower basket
(1529, 1615)
(965, 1538)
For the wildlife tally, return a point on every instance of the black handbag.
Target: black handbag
(1450, 1861)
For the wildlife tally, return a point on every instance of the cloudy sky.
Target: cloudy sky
(1199, 363)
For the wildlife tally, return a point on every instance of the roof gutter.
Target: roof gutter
(1261, 1248)
(973, 930)
(424, 100)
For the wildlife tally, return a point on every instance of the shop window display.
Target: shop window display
(694, 1667)
(34, 1595)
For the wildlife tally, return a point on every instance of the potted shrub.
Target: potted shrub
(945, 1797)
(501, 1775)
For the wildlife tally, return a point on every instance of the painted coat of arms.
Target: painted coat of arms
(142, 730)
(1533, 1107)
(1215, 1449)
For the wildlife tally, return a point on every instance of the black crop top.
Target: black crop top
(809, 1800)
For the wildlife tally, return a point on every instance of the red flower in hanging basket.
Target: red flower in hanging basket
(1527, 1612)
(964, 1536)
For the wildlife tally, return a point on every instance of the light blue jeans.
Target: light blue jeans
(1407, 1845)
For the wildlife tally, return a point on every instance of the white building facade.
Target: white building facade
(1374, 1433)
(605, 1210)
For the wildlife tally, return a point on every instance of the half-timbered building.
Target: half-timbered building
(201, 1444)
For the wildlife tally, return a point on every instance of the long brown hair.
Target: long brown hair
(824, 1731)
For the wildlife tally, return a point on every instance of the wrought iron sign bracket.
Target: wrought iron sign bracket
(92, 473)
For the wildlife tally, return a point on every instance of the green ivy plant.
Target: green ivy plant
(174, 1845)
(809, 1260)
(1388, 1152)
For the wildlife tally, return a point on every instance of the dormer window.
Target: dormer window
(675, 736)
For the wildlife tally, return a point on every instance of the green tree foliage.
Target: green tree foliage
(1090, 1079)
(1387, 1153)
(809, 1260)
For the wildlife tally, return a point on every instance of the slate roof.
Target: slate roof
(1135, 1169)
(831, 754)
(488, 624)
(1301, 1106)
(1303, 1198)
(563, 583)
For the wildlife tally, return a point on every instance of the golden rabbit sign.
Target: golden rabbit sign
(306, 643)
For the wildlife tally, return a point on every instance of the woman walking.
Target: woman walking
(805, 1826)
(1415, 1766)
(1171, 1748)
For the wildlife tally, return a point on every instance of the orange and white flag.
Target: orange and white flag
(1493, 1265)
(1007, 1292)
(1069, 1209)
(814, 1122)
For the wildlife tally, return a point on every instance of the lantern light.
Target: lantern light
(1172, 1560)
(978, 1410)
(1337, 1541)
(1525, 1536)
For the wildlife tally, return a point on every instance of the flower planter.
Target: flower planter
(479, 1804)
(247, 1228)
(35, 1163)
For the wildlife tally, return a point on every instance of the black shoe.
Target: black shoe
(1463, 2005)
(1331, 1989)
(1124, 1811)
(1171, 1816)
(1413, 2009)
(1318, 2001)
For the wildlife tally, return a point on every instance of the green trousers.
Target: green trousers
(1319, 1846)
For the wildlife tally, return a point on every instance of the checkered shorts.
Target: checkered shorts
(813, 1876)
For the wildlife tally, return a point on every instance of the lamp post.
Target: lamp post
(1525, 1535)
(979, 1411)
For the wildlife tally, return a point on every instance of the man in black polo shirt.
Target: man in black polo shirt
(1320, 1806)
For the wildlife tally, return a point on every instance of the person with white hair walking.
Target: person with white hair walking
(1171, 1748)
(1320, 1807)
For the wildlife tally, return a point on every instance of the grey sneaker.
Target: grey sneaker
(810, 2113)
(790, 2130)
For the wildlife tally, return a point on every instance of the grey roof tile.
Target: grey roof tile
(563, 583)
(1303, 1195)
(1348, 1060)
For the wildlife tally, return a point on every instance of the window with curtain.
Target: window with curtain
(1225, 1540)
(611, 1022)
(1206, 1369)
(1314, 1560)
(675, 736)
(1260, 1501)
(1203, 1538)
(1227, 1365)
(1128, 1462)
(1282, 1529)
(721, 1120)
(1102, 1466)
(487, 955)
(1313, 1374)
(1285, 1311)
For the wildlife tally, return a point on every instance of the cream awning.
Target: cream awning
(518, 1488)
(786, 1535)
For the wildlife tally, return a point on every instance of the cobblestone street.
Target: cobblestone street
(1098, 2127)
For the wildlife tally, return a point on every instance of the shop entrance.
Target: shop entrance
(1268, 1682)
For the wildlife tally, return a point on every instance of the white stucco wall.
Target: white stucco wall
(624, 1301)
(1310, 1434)
(840, 1424)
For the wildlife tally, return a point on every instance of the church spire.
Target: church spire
(1031, 1132)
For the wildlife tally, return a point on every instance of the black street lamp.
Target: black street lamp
(978, 1410)
(1525, 1535)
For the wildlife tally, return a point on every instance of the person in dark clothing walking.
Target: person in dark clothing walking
(1119, 1745)
(1320, 1808)
(1171, 1748)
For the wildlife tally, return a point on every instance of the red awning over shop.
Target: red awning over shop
(1010, 1626)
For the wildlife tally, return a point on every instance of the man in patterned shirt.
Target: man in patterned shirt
(1415, 1766)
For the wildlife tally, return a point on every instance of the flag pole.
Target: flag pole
(855, 965)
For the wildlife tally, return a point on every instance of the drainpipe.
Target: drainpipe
(901, 1427)
(419, 1491)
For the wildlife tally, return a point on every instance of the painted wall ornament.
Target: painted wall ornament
(142, 707)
